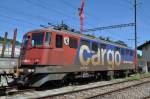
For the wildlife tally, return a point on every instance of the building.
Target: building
(145, 48)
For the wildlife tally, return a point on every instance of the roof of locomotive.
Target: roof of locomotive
(80, 35)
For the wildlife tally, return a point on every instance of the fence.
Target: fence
(8, 50)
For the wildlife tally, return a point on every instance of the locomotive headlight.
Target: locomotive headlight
(36, 61)
(30, 70)
(26, 60)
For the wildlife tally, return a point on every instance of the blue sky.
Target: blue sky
(27, 15)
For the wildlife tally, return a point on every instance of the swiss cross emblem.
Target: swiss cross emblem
(66, 40)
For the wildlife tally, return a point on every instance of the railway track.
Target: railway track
(112, 92)
(78, 91)
(98, 91)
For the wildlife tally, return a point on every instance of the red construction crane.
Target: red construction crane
(81, 14)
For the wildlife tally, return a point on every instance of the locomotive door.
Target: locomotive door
(70, 48)
(56, 54)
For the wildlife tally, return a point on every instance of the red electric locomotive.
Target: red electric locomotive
(56, 54)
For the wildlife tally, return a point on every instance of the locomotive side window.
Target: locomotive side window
(94, 47)
(59, 41)
(73, 42)
(117, 49)
(84, 42)
(37, 39)
(48, 38)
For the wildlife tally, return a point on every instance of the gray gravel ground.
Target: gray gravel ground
(88, 93)
(138, 92)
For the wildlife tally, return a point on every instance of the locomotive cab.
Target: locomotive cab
(45, 57)
(33, 42)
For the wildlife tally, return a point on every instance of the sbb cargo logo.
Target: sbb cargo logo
(87, 57)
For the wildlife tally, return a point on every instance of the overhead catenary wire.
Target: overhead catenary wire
(144, 16)
(22, 13)
(72, 6)
(44, 6)
(109, 27)
(17, 19)
(48, 8)
(68, 15)
(130, 2)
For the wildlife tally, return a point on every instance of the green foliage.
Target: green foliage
(133, 77)
(9, 41)
(137, 76)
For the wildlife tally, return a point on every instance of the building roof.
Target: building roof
(143, 45)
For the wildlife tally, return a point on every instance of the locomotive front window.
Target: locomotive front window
(37, 39)
(25, 41)
(48, 38)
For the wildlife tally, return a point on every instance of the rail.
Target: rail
(84, 90)
(10, 91)
(117, 90)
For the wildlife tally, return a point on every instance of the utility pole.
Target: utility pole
(135, 34)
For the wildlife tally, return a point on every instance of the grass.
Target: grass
(137, 76)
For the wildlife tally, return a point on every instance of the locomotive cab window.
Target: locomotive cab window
(59, 41)
(47, 38)
(37, 39)
(94, 47)
(25, 41)
(73, 42)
